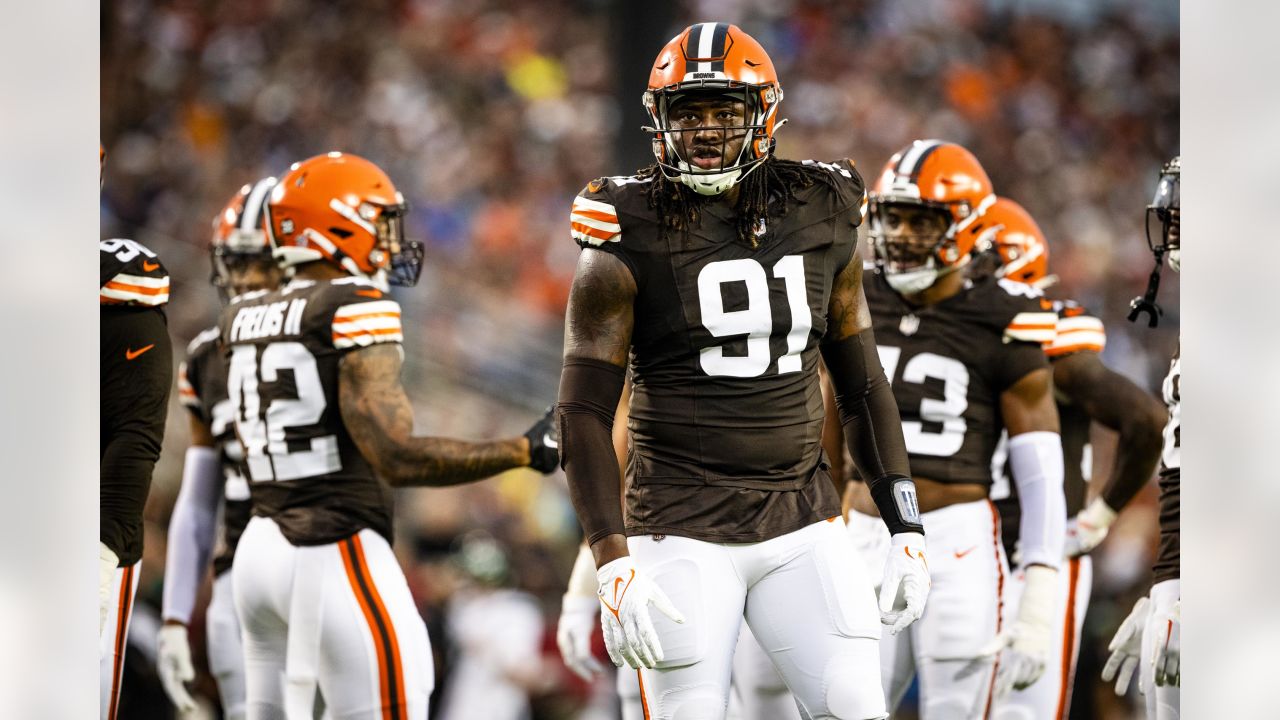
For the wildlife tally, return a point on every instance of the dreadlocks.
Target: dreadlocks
(773, 184)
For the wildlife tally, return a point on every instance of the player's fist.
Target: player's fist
(173, 663)
(626, 594)
(579, 616)
(1089, 528)
(544, 442)
(1126, 648)
(1030, 639)
(905, 587)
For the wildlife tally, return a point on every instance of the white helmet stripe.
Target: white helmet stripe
(908, 166)
(252, 215)
(706, 38)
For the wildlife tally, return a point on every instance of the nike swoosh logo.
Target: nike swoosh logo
(149, 266)
(131, 354)
(375, 294)
(962, 553)
(550, 441)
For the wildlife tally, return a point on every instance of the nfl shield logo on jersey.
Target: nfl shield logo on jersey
(909, 325)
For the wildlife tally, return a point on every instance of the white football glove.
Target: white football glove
(1126, 648)
(1089, 528)
(626, 594)
(1025, 646)
(107, 564)
(1167, 654)
(578, 619)
(905, 587)
(173, 663)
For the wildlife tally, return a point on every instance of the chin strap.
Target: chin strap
(1147, 303)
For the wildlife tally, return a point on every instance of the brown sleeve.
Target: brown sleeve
(589, 393)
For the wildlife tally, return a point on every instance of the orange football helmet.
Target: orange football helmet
(1008, 229)
(715, 59)
(343, 209)
(240, 231)
(936, 175)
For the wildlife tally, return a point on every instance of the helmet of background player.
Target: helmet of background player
(1013, 234)
(715, 60)
(936, 175)
(240, 240)
(1164, 213)
(342, 209)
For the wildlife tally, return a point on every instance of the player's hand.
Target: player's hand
(544, 442)
(578, 618)
(1028, 642)
(173, 663)
(1089, 528)
(626, 594)
(1167, 653)
(906, 582)
(1126, 648)
(107, 564)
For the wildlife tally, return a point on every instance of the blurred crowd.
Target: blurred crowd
(491, 114)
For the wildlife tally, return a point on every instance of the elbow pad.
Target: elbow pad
(873, 428)
(192, 529)
(1036, 459)
(589, 394)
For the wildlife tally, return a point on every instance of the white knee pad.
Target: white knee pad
(705, 701)
(851, 684)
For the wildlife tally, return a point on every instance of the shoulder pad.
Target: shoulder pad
(593, 219)
(363, 315)
(1077, 331)
(202, 342)
(851, 186)
(1033, 318)
(130, 274)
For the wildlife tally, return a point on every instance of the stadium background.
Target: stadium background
(491, 114)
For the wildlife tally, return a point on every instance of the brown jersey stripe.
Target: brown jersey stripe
(123, 610)
(390, 673)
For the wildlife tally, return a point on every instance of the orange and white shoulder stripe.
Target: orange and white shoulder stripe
(123, 289)
(186, 392)
(367, 323)
(594, 222)
(1036, 327)
(1078, 333)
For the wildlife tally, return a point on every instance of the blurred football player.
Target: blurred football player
(136, 369)
(1086, 391)
(314, 383)
(720, 274)
(213, 478)
(966, 360)
(1150, 638)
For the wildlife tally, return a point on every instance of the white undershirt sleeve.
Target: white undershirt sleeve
(191, 532)
(1036, 459)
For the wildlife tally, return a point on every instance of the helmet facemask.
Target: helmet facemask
(679, 146)
(1163, 213)
(913, 244)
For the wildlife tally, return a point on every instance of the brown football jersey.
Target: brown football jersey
(1077, 331)
(950, 362)
(130, 274)
(284, 347)
(726, 412)
(1168, 558)
(202, 389)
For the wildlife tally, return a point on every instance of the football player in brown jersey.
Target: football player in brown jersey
(213, 475)
(136, 370)
(314, 384)
(719, 275)
(965, 359)
(1086, 391)
(1150, 638)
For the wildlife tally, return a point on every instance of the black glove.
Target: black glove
(544, 442)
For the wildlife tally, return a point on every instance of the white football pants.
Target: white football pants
(226, 652)
(1049, 698)
(115, 638)
(1163, 703)
(807, 599)
(339, 615)
(759, 692)
(968, 571)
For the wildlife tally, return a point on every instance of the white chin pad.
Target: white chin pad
(912, 282)
(1175, 259)
(712, 184)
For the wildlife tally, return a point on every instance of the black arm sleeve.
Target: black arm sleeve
(136, 372)
(873, 428)
(589, 394)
